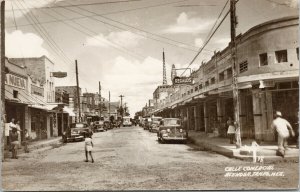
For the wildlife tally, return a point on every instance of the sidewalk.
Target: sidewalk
(221, 145)
(37, 146)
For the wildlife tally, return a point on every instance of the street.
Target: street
(131, 158)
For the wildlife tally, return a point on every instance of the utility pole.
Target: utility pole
(2, 45)
(78, 96)
(122, 106)
(100, 103)
(109, 104)
(236, 104)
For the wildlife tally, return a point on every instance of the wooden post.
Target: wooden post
(235, 90)
(2, 45)
(78, 96)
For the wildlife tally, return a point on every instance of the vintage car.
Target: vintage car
(126, 122)
(147, 123)
(154, 124)
(106, 125)
(76, 132)
(171, 130)
(99, 126)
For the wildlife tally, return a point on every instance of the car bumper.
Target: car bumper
(76, 138)
(174, 138)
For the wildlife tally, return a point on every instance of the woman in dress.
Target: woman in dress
(88, 147)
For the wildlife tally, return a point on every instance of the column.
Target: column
(206, 123)
(259, 122)
(196, 117)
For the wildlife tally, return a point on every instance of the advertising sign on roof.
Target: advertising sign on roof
(15, 81)
(182, 80)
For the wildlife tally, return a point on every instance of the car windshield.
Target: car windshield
(168, 122)
(78, 125)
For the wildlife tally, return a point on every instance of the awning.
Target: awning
(69, 111)
(36, 106)
(22, 98)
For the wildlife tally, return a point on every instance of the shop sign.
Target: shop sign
(37, 90)
(264, 84)
(15, 81)
(59, 74)
(182, 80)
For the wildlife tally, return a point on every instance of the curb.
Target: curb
(241, 156)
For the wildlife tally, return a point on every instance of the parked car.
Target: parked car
(126, 122)
(76, 132)
(171, 130)
(106, 125)
(155, 123)
(99, 126)
(147, 123)
(142, 122)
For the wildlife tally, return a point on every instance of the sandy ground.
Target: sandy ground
(131, 158)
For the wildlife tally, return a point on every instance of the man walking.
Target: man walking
(283, 129)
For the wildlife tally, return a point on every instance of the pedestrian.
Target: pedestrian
(284, 131)
(14, 143)
(88, 147)
(231, 130)
(26, 141)
(19, 132)
(12, 125)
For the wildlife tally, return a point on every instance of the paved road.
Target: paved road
(131, 158)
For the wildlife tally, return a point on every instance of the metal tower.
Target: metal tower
(173, 72)
(164, 70)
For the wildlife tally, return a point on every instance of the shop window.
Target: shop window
(206, 83)
(295, 84)
(229, 73)
(200, 86)
(281, 56)
(263, 59)
(221, 76)
(243, 66)
(15, 94)
(297, 51)
(213, 80)
(284, 85)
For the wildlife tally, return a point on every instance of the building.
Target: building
(268, 76)
(28, 96)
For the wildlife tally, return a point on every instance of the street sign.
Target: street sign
(182, 80)
(59, 74)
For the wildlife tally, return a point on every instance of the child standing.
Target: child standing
(88, 147)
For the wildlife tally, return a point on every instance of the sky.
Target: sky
(120, 42)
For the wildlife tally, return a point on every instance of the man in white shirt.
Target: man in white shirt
(283, 128)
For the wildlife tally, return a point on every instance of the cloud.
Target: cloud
(19, 44)
(135, 79)
(184, 24)
(123, 38)
(198, 42)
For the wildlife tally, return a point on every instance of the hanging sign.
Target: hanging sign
(59, 74)
(182, 80)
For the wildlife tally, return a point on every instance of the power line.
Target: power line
(209, 37)
(39, 30)
(122, 49)
(142, 30)
(12, 8)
